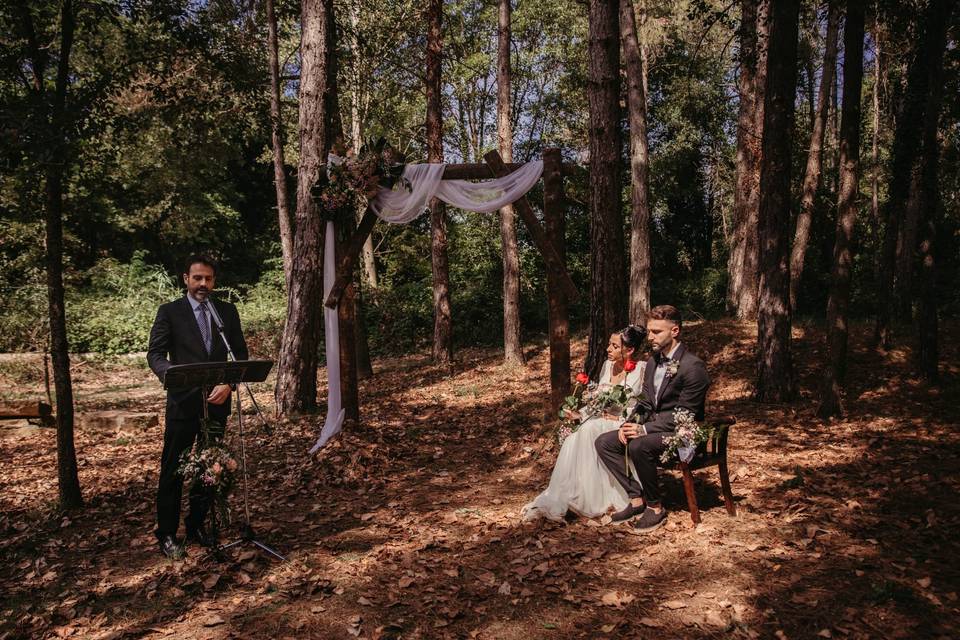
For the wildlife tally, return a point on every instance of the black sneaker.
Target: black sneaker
(170, 548)
(650, 520)
(628, 512)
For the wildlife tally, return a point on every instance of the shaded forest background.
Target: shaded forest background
(169, 142)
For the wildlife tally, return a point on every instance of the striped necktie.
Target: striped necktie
(204, 321)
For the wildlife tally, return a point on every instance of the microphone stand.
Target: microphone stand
(247, 534)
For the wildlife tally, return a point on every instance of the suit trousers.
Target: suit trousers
(178, 436)
(644, 452)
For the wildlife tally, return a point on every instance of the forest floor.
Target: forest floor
(407, 525)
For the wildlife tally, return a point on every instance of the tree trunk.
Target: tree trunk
(442, 319)
(554, 207)
(512, 346)
(608, 275)
(839, 300)
(775, 380)
(811, 177)
(927, 358)
(68, 481)
(743, 265)
(297, 371)
(903, 164)
(279, 163)
(639, 168)
(347, 318)
(875, 142)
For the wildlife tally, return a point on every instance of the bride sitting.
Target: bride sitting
(580, 482)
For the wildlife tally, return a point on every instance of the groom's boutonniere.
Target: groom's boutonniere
(671, 367)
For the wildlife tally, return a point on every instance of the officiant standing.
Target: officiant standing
(183, 333)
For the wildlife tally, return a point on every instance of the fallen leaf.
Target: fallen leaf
(924, 582)
(675, 604)
(213, 621)
(211, 582)
(650, 622)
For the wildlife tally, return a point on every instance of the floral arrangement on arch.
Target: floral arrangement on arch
(211, 465)
(350, 184)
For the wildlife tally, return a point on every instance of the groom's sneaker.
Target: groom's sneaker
(628, 512)
(650, 520)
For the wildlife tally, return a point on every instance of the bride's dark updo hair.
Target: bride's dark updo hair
(632, 337)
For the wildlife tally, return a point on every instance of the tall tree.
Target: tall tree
(296, 389)
(903, 162)
(608, 276)
(639, 166)
(775, 379)
(743, 265)
(279, 162)
(52, 117)
(442, 318)
(928, 186)
(512, 347)
(839, 300)
(811, 177)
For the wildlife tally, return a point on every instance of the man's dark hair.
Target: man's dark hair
(666, 312)
(198, 258)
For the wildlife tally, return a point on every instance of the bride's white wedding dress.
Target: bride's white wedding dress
(579, 482)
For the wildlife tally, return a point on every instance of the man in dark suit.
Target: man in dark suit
(674, 378)
(183, 333)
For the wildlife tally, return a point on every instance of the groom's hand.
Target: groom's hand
(628, 431)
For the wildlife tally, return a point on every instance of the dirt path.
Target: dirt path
(407, 525)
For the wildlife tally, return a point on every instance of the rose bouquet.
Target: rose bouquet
(590, 400)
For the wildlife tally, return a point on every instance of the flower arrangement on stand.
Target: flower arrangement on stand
(211, 465)
(357, 179)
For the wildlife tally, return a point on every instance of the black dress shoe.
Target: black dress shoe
(650, 520)
(628, 512)
(201, 537)
(170, 548)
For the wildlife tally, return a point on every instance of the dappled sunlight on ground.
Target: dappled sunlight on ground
(407, 525)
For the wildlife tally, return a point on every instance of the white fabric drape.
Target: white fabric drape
(401, 206)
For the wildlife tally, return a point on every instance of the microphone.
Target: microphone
(215, 316)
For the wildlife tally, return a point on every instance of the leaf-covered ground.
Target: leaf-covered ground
(407, 525)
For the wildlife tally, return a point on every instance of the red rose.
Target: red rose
(582, 378)
(629, 366)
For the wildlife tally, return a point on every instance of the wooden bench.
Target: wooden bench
(711, 453)
(33, 412)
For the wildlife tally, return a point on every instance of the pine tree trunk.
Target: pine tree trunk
(839, 300)
(811, 177)
(639, 168)
(347, 319)
(743, 265)
(608, 274)
(775, 379)
(927, 358)
(442, 319)
(904, 161)
(296, 389)
(875, 142)
(279, 163)
(512, 346)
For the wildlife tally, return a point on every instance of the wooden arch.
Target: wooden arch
(549, 240)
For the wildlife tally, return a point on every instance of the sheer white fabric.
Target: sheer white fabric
(580, 482)
(401, 206)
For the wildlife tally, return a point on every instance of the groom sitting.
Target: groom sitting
(674, 378)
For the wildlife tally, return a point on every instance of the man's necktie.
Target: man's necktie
(205, 326)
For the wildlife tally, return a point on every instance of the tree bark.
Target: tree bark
(875, 142)
(639, 168)
(904, 159)
(296, 389)
(811, 177)
(512, 346)
(775, 379)
(927, 358)
(743, 265)
(839, 300)
(608, 275)
(67, 478)
(554, 207)
(442, 318)
(279, 163)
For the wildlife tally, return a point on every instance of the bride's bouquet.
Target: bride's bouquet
(590, 400)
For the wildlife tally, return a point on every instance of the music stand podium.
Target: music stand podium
(207, 375)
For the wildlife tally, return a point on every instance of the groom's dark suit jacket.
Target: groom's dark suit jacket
(175, 339)
(687, 389)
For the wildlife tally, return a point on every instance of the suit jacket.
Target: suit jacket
(175, 339)
(686, 389)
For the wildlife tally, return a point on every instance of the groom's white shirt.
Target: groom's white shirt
(661, 370)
